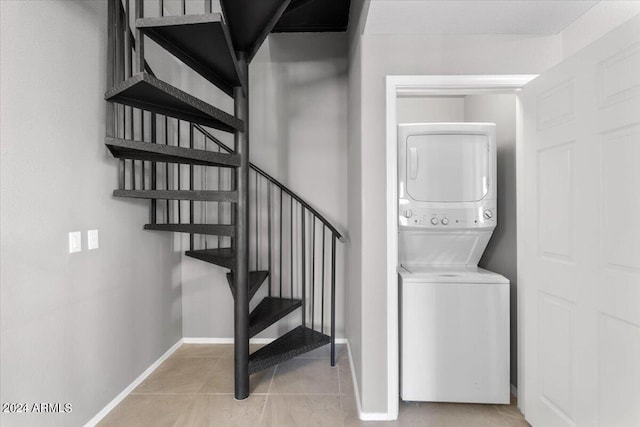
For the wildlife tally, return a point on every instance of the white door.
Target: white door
(580, 231)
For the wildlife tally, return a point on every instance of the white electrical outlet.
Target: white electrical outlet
(92, 239)
(75, 241)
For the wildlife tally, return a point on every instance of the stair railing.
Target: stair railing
(295, 243)
(289, 237)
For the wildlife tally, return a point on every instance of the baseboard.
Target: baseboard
(120, 397)
(364, 416)
(204, 340)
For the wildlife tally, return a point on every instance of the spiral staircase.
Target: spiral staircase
(237, 216)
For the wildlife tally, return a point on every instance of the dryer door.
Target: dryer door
(447, 167)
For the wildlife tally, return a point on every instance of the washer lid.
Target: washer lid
(444, 274)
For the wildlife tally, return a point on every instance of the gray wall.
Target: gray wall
(383, 55)
(353, 290)
(501, 253)
(298, 110)
(75, 328)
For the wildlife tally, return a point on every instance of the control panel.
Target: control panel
(472, 217)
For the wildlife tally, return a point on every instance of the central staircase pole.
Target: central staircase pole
(241, 271)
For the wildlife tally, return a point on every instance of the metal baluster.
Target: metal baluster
(123, 162)
(179, 179)
(280, 251)
(142, 129)
(333, 299)
(122, 165)
(304, 266)
(322, 295)
(111, 67)
(133, 162)
(204, 211)
(207, 6)
(120, 76)
(191, 203)
(313, 271)
(121, 45)
(269, 191)
(166, 165)
(257, 211)
(139, 13)
(127, 41)
(184, 7)
(139, 37)
(154, 202)
(291, 243)
(161, 7)
(219, 239)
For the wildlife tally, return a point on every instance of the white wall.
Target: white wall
(298, 134)
(418, 109)
(603, 17)
(411, 55)
(76, 328)
(501, 253)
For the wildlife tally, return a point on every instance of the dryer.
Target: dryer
(446, 192)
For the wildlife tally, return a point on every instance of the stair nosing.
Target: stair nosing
(216, 229)
(189, 155)
(195, 195)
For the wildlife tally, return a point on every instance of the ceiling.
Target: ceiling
(541, 17)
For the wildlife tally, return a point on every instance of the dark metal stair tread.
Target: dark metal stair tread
(224, 257)
(269, 311)
(210, 229)
(147, 92)
(202, 42)
(138, 150)
(256, 278)
(298, 341)
(197, 195)
(250, 21)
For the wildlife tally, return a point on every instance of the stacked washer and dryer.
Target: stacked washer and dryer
(454, 315)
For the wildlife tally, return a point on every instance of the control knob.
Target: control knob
(408, 213)
(445, 221)
(434, 221)
(488, 214)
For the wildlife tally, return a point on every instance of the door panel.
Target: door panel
(580, 258)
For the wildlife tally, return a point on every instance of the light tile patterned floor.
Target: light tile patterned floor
(194, 387)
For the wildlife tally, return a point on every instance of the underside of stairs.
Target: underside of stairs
(237, 216)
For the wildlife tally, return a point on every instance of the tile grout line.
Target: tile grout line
(340, 395)
(266, 400)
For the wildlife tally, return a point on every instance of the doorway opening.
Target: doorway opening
(451, 99)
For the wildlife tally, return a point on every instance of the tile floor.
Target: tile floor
(194, 387)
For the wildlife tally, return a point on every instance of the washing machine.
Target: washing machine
(454, 316)
(454, 335)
